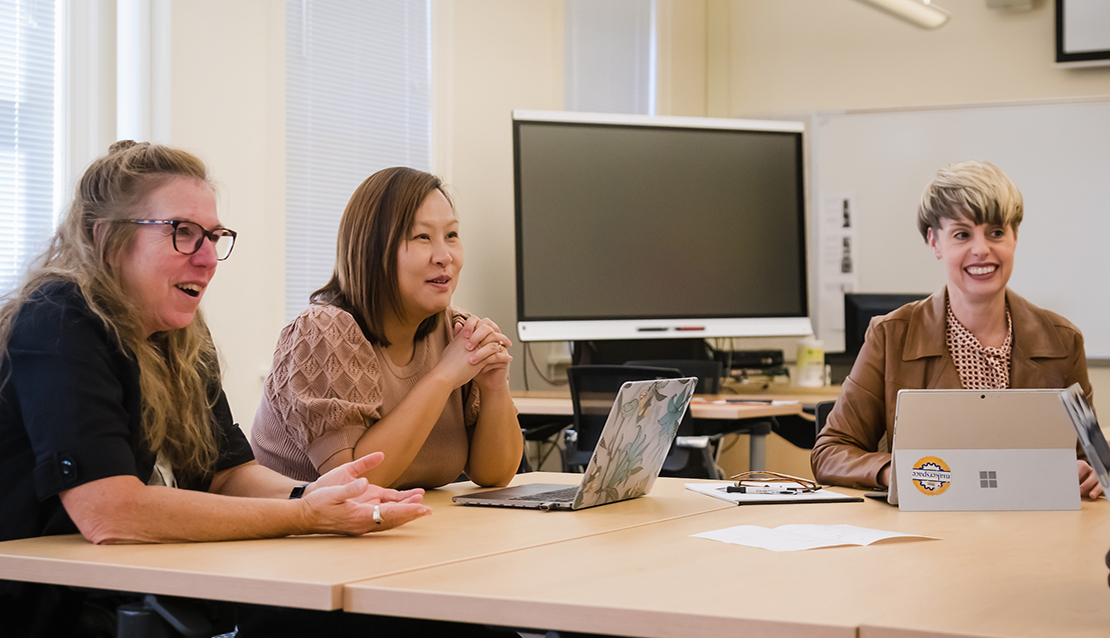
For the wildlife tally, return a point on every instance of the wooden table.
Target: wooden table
(632, 569)
(310, 572)
(725, 407)
(990, 574)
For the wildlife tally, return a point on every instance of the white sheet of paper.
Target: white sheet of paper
(790, 538)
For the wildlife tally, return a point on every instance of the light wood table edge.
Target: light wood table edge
(564, 617)
(873, 631)
(170, 582)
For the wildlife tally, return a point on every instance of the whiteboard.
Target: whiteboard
(1057, 153)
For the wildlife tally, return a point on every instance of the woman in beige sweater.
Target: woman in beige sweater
(382, 362)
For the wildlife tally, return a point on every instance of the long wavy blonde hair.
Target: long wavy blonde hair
(178, 369)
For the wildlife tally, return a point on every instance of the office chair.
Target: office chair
(174, 617)
(799, 429)
(821, 412)
(592, 392)
(541, 429)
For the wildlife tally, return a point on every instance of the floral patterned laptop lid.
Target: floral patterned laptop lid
(634, 444)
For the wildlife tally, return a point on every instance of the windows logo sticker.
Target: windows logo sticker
(931, 476)
(988, 478)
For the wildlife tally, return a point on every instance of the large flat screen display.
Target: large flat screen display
(658, 227)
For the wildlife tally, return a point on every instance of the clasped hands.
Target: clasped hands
(484, 349)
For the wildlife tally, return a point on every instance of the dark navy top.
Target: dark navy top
(70, 413)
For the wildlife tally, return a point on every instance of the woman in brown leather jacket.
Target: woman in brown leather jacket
(974, 333)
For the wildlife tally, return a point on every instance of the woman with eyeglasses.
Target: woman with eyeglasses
(381, 360)
(974, 333)
(112, 420)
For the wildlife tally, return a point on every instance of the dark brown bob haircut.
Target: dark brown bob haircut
(376, 222)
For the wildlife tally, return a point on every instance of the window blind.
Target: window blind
(358, 99)
(609, 56)
(27, 104)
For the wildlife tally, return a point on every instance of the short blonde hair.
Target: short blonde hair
(976, 191)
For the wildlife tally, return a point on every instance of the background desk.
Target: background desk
(558, 404)
(996, 574)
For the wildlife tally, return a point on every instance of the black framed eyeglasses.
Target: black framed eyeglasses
(188, 236)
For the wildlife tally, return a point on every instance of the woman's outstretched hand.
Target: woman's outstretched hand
(341, 502)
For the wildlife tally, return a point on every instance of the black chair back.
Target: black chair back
(707, 371)
(821, 413)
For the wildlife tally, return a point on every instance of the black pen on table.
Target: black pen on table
(760, 489)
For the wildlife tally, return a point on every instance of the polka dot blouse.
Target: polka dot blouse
(980, 367)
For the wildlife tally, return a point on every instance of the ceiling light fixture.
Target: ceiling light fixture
(922, 13)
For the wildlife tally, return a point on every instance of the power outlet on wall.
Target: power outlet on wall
(557, 364)
(558, 360)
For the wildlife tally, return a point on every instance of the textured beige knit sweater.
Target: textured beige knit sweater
(328, 385)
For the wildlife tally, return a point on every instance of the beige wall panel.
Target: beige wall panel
(792, 57)
(228, 106)
(682, 44)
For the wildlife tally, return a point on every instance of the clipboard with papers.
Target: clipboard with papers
(770, 488)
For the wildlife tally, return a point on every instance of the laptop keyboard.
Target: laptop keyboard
(564, 495)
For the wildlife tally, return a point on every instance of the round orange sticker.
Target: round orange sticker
(931, 476)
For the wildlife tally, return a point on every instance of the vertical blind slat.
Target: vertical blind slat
(27, 112)
(358, 99)
(608, 56)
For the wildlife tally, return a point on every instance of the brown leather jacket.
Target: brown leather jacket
(907, 349)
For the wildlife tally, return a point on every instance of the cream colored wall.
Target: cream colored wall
(792, 57)
(228, 106)
(682, 54)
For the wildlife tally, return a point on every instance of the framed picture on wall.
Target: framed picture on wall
(1083, 32)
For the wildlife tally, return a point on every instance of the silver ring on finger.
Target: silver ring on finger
(377, 515)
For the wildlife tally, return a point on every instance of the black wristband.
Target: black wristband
(299, 490)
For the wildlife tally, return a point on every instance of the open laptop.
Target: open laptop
(976, 450)
(1090, 434)
(634, 443)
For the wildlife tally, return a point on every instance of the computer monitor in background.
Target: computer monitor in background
(859, 308)
(658, 228)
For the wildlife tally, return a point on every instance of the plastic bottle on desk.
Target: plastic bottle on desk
(811, 363)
